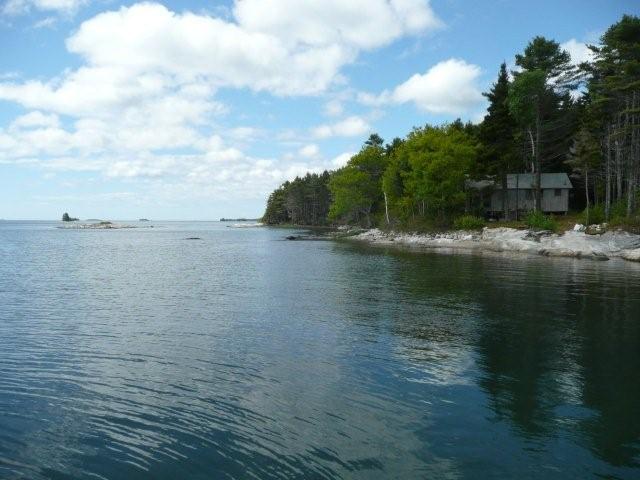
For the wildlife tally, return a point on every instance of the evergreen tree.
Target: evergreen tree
(374, 140)
(539, 92)
(584, 157)
(497, 132)
(614, 93)
(304, 201)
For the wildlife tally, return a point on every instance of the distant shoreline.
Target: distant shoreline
(239, 219)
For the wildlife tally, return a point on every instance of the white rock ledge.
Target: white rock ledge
(632, 255)
(96, 226)
(576, 244)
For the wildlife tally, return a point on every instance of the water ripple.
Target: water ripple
(131, 354)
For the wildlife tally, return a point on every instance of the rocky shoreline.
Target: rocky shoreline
(574, 244)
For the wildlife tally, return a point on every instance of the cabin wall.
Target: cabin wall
(524, 200)
(520, 199)
(555, 203)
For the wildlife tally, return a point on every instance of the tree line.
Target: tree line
(546, 115)
(303, 201)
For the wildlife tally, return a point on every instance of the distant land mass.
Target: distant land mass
(67, 218)
(239, 219)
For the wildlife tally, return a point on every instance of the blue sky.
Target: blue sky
(197, 110)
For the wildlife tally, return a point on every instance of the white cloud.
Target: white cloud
(449, 87)
(213, 168)
(142, 48)
(141, 102)
(342, 159)
(285, 47)
(372, 100)
(245, 134)
(18, 7)
(579, 51)
(309, 151)
(333, 108)
(353, 126)
(35, 119)
(108, 91)
(47, 22)
(361, 24)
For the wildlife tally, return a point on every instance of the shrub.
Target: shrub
(596, 215)
(418, 224)
(630, 224)
(617, 214)
(618, 210)
(468, 222)
(539, 221)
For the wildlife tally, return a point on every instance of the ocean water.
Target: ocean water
(139, 354)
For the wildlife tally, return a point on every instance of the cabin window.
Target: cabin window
(558, 192)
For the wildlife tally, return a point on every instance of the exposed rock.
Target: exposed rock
(246, 225)
(599, 256)
(574, 244)
(596, 229)
(95, 226)
(536, 235)
(632, 255)
(314, 236)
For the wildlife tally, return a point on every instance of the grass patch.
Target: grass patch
(414, 225)
(596, 215)
(517, 224)
(540, 221)
(468, 222)
(629, 224)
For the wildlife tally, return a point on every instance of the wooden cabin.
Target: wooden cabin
(520, 193)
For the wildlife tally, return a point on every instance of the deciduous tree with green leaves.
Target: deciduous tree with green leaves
(437, 161)
(357, 187)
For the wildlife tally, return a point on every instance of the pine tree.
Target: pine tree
(614, 91)
(584, 157)
(538, 96)
(497, 133)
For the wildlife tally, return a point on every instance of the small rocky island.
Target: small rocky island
(96, 226)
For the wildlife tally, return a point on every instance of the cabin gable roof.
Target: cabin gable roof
(524, 181)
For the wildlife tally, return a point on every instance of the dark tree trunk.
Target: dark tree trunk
(505, 197)
(538, 174)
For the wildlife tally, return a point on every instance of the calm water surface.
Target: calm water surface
(139, 354)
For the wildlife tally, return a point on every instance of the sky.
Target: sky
(197, 110)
